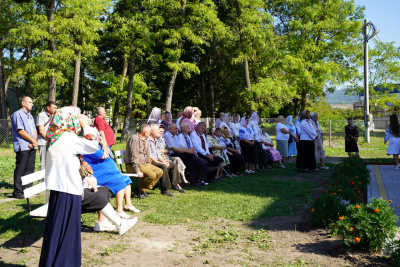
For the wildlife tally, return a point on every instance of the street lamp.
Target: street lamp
(367, 37)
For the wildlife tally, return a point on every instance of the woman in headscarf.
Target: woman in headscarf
(167, 119)
(268, 145)
(351, 138)
(236, 159)
(218, 148)
(260, 158)
(247, 136)
(196, 115)
(226, 123)
(292, 150)
(187, 117)
(236, 125)
(155, 116)
(62, 234)
(319, 146)
(282, 137)
(306, 147)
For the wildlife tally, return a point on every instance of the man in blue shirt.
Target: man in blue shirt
(24, 140)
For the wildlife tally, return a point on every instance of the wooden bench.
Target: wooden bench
(40, 212)
(120, 160)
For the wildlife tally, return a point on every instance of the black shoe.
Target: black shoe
(167, 193)
(211, 170)
(197, 184)
(18, 196)
(213, 180)
(178, 189)
(138, 194)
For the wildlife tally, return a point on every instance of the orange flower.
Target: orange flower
(390, 201)
(358, 165)
(359, 191)
(377, 210)
(358, 207)
(357, 239)
(340, 218)
(312, 210)
(334, 194)
(340, 190)
(352, 182)
(351, 229)
(356, 176)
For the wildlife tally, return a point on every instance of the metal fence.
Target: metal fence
(5, 132)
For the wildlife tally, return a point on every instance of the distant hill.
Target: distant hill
(338, 97)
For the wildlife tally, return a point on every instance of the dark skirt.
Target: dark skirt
(306, 155)
(266, 157)
(237, 162)
(258, 153)
(350, 146)
(95, 201)
(247, 151)
(62, 233)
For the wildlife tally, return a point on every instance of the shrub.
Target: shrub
(367, 226)
(325, 210)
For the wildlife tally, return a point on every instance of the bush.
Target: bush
(367, 226)
(325, 210)
(394, 252)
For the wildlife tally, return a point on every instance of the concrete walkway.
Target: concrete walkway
(385, 183)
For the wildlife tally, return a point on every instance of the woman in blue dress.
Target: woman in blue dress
(107, 174)
(292, 129)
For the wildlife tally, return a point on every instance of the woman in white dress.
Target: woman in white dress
(393, 136)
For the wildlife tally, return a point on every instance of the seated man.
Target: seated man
(186, 153)
(137, 160)
(200, 144)
(170, 169)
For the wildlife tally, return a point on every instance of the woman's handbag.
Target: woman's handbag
(291, 139)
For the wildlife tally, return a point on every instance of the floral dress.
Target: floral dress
(318, 142)
(213, 141)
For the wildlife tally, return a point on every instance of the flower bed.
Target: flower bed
(341, 207)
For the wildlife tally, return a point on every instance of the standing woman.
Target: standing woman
(282, 138)
(292, 150)
(306, 148)
(351, 138)
(393, 136)
(319, 144)
(155, 116)
(62, 233)
(246, 135)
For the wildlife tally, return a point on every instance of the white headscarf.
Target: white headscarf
(155, 116)
(313, 115)
(255, 117)
(243, 121)
(289, 120)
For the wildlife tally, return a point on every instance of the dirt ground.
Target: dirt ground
(276, 241)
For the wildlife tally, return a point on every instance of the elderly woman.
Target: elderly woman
(227, 124)
(196, 115)
(292, 150)
(351, 138)
(167, 119)
(107, 174)
(218, 148)
(236, 159)
(306, 146)
(188, 117)
(319, 145)
(282, 137)
(267, 144)
(260, 158)
(155, 116)
(247, 136)
(62, 234)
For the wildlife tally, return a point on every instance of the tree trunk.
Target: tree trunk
(118, 98)
(303, 102)
(296, 107)
(52, 47)
(18, 86)
(28, 86)
(124, 135)
(211, 88)
(170, 90)
(203, 86)
(148, 106)
(171, 84)
(77, 72)
(247, 74)
(3, 102)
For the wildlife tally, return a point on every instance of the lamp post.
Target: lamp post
(367, 37)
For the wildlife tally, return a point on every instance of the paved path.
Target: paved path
(385, 183)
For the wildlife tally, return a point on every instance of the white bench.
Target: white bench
(40, 212)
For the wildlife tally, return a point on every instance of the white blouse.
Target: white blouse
(307, 131)
(62, 163)
(279, 134)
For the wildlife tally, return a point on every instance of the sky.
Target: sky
(384, 14)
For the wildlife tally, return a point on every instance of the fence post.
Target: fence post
(330, 131)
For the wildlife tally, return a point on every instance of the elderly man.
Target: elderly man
(186, 153)
(106, 133)
(24, 141)
(202, 147)
(43, 123)
(220, 119)
(137, 160)
(170, 170)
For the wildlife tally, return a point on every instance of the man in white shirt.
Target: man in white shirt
(200, 144)
(185, 152)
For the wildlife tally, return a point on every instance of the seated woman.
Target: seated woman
(188, 117)
(247, 136)
(96, 198)
(267, 144)
(218, 149)
(107, 174)
(167, 119)
(236, 159)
